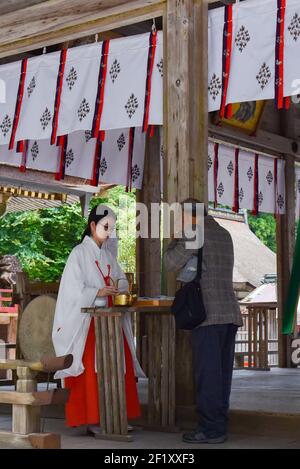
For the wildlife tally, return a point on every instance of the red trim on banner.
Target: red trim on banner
(287, 102)
(130, 155)
(235, 207)
(24, 156)
(20, 146)
(59, 86)
(216, 165)
(150, 65)
(227, 49)
(151, 131)
(101, 135)
(101, 87)
(279, 54)
(18, 103)
(62, 143)
(228, 111)
(60, 140)
(97, 159)
(255, 196)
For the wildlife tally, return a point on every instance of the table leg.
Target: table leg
(111, 378)
(161, 372)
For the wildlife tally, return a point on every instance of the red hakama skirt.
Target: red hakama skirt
(82, 407)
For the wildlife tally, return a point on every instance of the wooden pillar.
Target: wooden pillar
(148, 249)
(148, 259)
(186, 112)
(185, 137)
(285, 235)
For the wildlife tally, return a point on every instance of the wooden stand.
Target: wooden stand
(111, 374)
(159, 348)
(26, 412)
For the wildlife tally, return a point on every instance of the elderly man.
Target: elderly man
(214, 340)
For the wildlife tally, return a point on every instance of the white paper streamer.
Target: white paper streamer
(246, 179)
(225, 180)
(210, 166)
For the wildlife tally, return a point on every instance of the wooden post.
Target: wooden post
(185, 137)
(149, 256)
(26, 419)
(148, 260)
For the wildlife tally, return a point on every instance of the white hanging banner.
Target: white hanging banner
(297, 183)
(210, 167)
(137, 166)
(66, 91)
(292, 48)
(9, 86)
(80, 154)
(225, 179)
(37, 110)
(114, 157)
(215, 53)
(253, 51)
(246, 179)
(125, 88)
(42, 156)
(79, 90)
(117, 164)
(10, 157)
(280, 189)
(266, 185)
(156, 99)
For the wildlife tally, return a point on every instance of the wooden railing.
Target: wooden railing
(257, 341)
(8, 329)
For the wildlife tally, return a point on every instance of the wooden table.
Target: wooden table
(160, 348)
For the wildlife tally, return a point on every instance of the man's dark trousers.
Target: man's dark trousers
(213, 349)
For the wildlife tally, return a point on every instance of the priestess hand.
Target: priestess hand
(107, 291)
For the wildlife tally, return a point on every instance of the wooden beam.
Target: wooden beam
(264, 141)
(40, 180)
(14, 5)
(55, 21)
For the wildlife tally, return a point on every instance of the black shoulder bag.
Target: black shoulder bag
(188, 307)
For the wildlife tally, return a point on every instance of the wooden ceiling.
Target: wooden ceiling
(13, 5)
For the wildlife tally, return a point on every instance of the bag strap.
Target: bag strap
(199, 264)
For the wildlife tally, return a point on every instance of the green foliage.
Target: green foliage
(264, 227)
(43, 239)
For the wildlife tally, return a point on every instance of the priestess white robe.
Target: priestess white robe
(80, 282)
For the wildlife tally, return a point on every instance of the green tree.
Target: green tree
(264, 227)
(43, 239)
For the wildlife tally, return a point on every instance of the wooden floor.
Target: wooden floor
(277, 390)
(265, 413)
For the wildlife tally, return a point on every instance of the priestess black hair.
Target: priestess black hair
(93, 217)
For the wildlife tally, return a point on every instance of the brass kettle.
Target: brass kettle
(125, 298)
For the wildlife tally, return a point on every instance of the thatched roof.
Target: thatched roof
(252, 259)
(21, 204)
